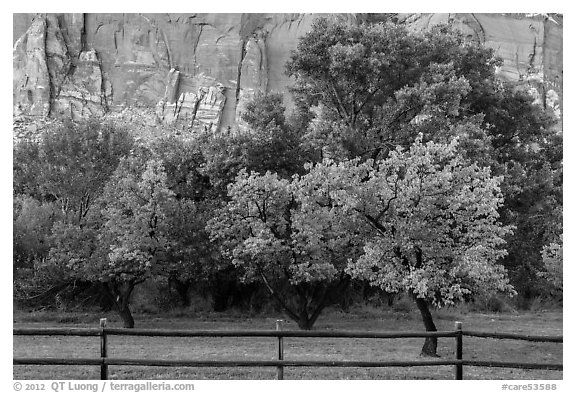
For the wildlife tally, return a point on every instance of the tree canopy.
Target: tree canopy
(286, 235)
(422, 221)
(365, 96)
(404, 163)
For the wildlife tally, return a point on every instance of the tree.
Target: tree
(32, 228)
(351, 69)
(25, 169)
(264, 110)
(552, 258)
(120, 242)
(534, 206)
(189, 258)
(33, 221)
(74, 256)
(71, 164)
(135, 228)
(285, 235)
(529, 155)
(65, 172)
(434, 230)
(269, 144)
(373, 87)
(352, 75)
(183, 161)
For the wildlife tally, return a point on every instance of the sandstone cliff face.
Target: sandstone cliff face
(530, 44)
(197, 71)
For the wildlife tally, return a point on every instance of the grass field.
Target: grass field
(549, 323)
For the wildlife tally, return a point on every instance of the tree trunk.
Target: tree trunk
(120, 294)
(305, 323)
(324, 297)
(309, 301)
(221, 295)
(431, 343)
(126, 315)
(182, 288)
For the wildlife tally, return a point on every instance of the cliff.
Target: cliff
(197, 71)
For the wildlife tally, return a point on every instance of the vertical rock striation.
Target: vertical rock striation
(31, 75)
(82, 93)
(198, 109)
(197, 71)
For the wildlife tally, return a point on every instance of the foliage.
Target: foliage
(33, 221)
(71, 164)
(285, 234)
(426, 219)
(263, 110)
(134, 216)
(351, 69)
(434, 219)
(270, 144)
(189, 258)
(371, 81)
(182, 161)
(25, 169)
(552, 258)
(434, 226)
(122, 241)
(92, 205)
(32, 228)
(367, 96)
(58, 178)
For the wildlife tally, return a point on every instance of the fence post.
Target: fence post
(103, 350)
(458, 367)
(280, 349)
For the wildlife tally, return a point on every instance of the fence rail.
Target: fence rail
(514, 336)
(225, 333)
(104, 361)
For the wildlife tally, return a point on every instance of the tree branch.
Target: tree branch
(288, 310)
(341, 107)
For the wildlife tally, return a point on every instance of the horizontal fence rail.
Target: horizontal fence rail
(104, 361)
(229, 363)
(526, 366)
(226, 333)
(57, 332)
(514, 336)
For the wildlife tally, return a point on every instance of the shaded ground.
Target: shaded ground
(549, 323)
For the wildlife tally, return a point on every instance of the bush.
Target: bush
(492, 303)
(403, 304)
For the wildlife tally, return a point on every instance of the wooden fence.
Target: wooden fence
(104, 361)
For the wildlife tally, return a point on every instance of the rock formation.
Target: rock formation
(197, 71)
